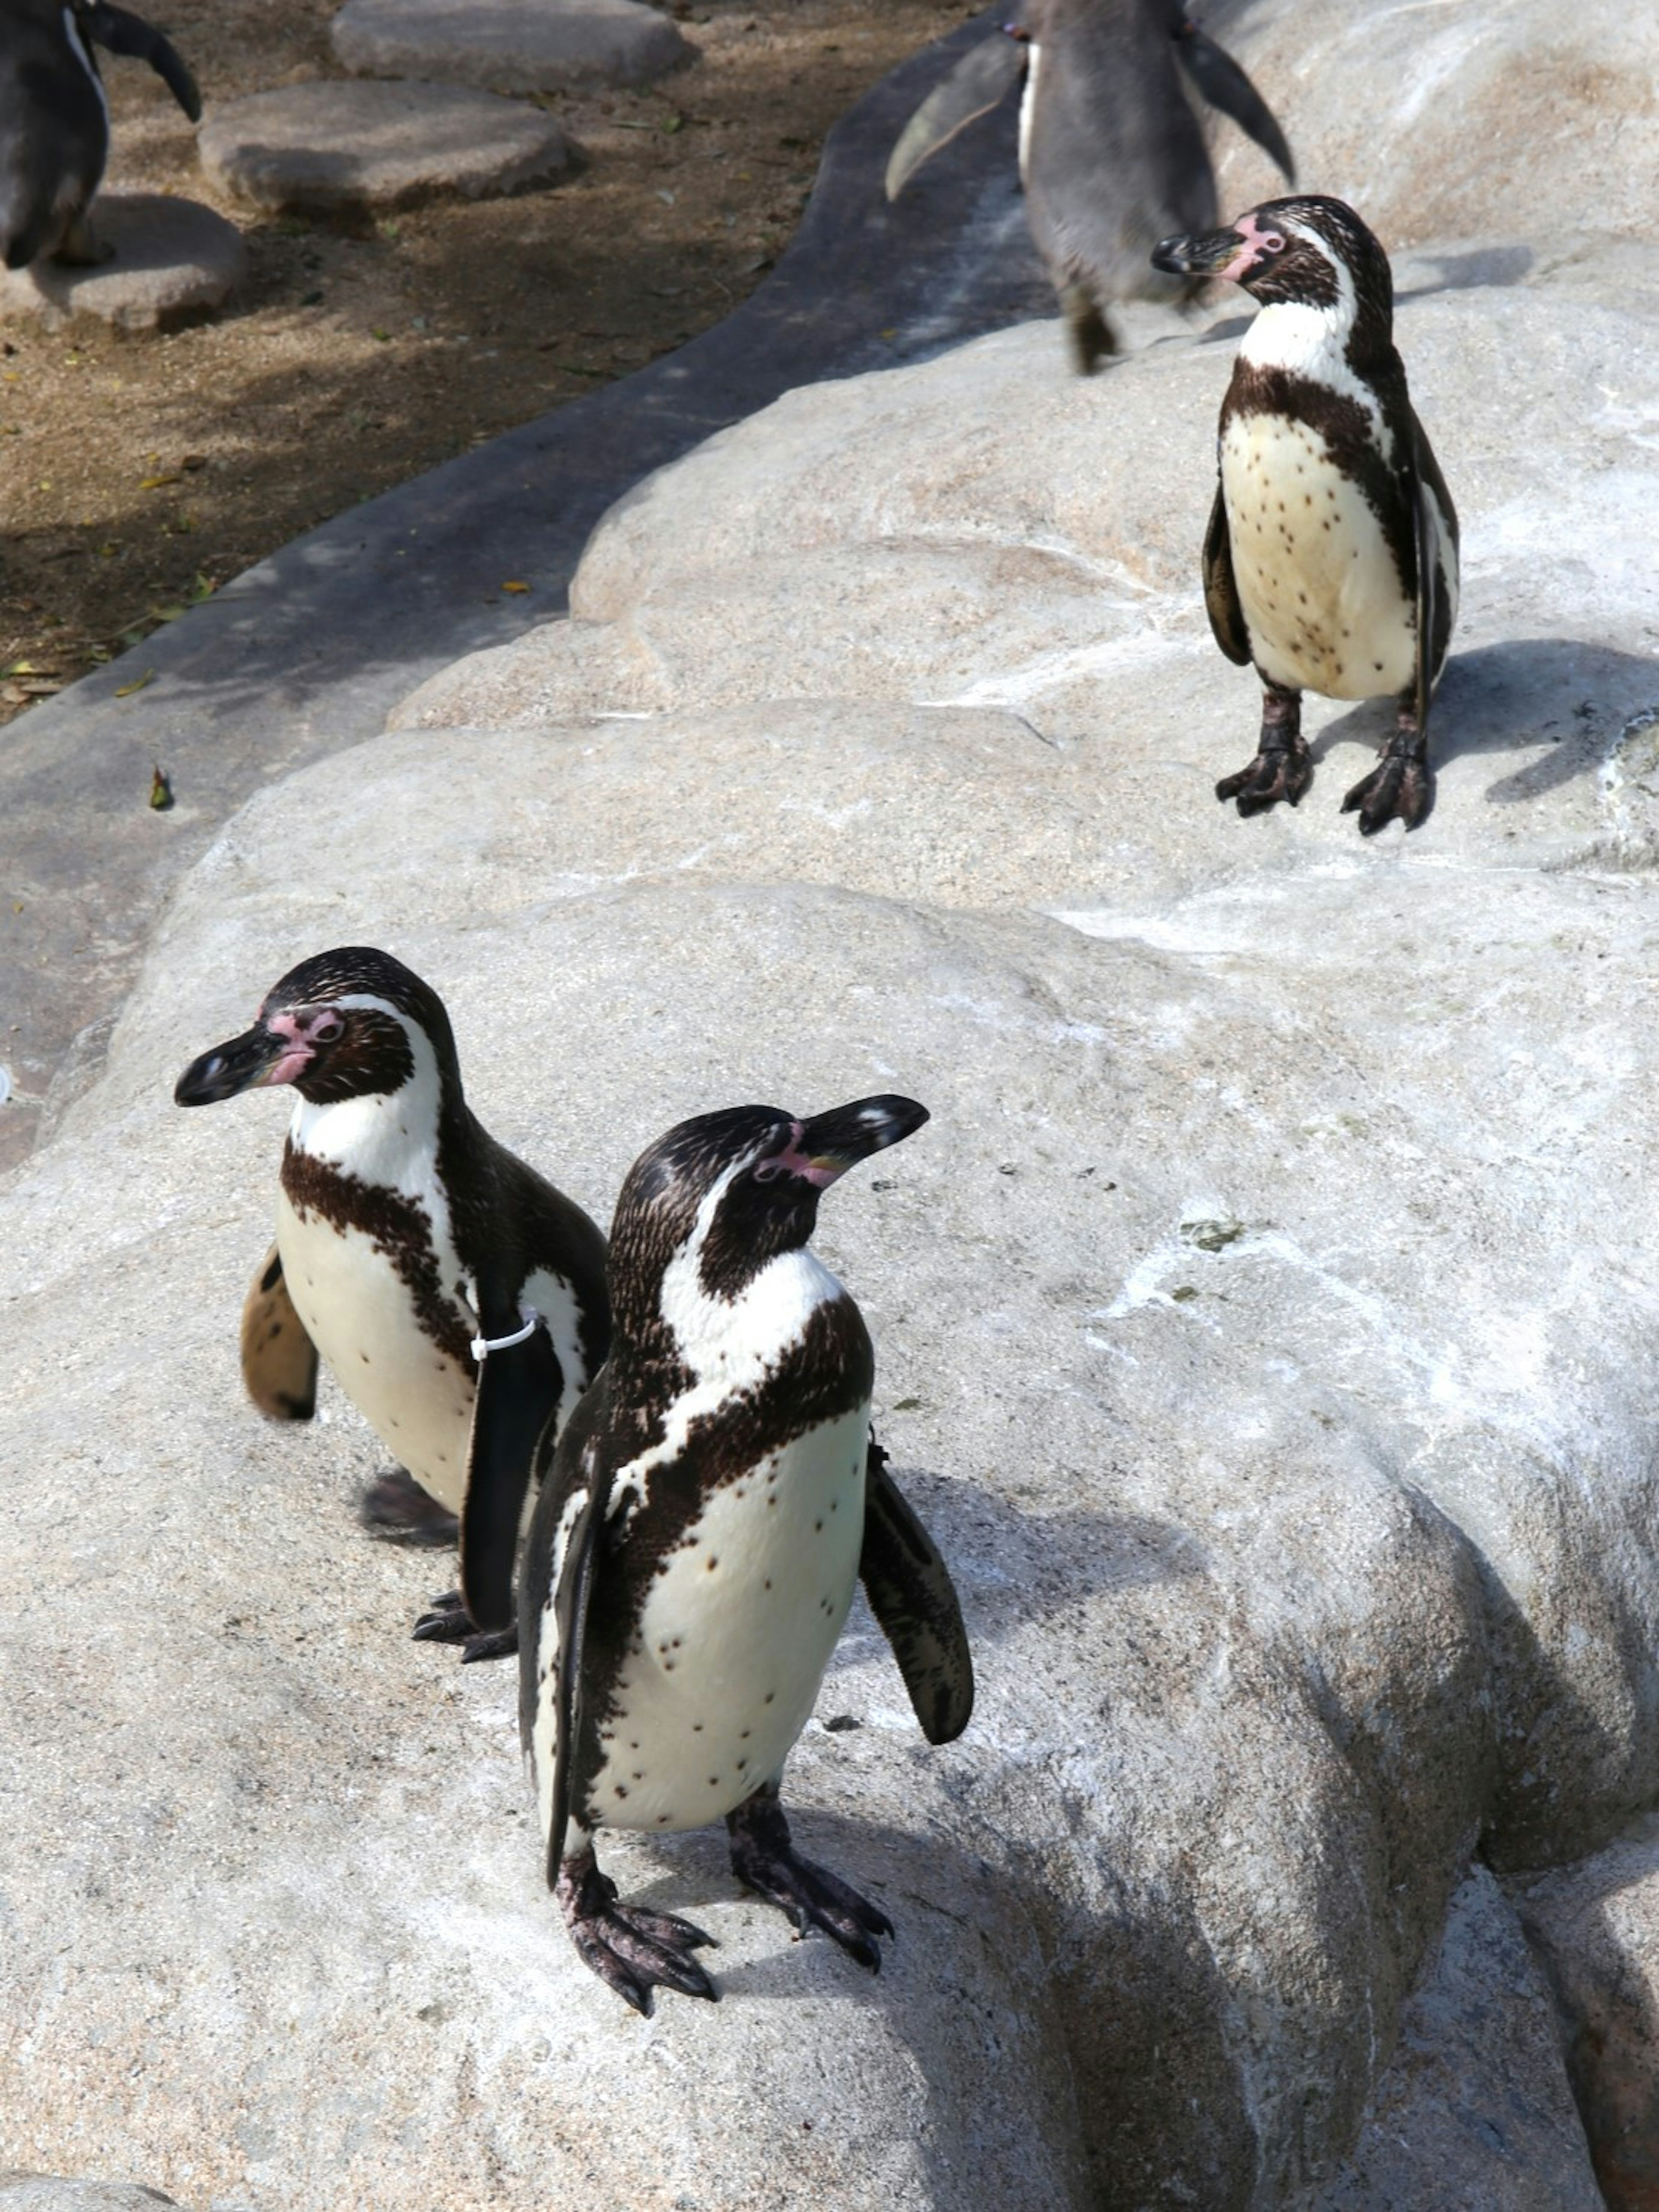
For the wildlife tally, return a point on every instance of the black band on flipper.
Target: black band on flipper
(914, 1602)
(1230, 92)
(518, 1392)
(121, 32)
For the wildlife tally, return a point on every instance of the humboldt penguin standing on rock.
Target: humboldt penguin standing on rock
(709, 1507)
(54, 119)
(1331, 558)
(458, 1299)
(1111, 151)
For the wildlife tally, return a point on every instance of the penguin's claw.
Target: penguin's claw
(449, 1622)
(1401, 785)
(764, 1859)
(1276, 772)
(396, 1509)
(631, 1949)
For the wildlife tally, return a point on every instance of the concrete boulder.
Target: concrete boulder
(511, 45)
(1261, 1326)
(1264, 1327)
(172, 261)
(330, 147)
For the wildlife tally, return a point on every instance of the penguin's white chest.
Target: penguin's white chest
(1320, 589)
(734, 1636)
(360, 1312)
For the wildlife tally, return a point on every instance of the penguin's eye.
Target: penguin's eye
(326, 1028)
(768, 1170)
(1271, 242)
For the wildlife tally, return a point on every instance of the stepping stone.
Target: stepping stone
(510, 45)
(332, 146)
(174, 260)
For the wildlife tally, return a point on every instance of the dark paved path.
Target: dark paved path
(307, 653)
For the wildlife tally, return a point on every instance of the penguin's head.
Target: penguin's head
(727, 1192)
(342, 1024)
(1307, 251)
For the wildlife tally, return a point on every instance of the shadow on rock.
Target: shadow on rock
(965, 1985)
(1013, 1568)
(1571, 698)
(1484, 268)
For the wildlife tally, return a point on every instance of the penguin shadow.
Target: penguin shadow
(1013, 1566)
(1489, 268)
(1550, 708)
(967, 1944)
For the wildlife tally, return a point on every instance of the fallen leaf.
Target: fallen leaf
(161, 791)
(126, 691)
(515, 587)
(155, 484)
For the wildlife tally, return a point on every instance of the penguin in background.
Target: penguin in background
(1111, 151)
(458, 1299)
(1331, 561)
(54, 120)
(709, 1507)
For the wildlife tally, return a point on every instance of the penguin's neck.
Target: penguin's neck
(1303, 340)
(736, 1340)
(389, 1138)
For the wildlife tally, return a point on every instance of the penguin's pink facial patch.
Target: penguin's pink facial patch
(1259, 242)
(820, 1170)
(303, 1032)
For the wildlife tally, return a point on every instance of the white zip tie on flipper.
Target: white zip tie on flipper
(483, 1346)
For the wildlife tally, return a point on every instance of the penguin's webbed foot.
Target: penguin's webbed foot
(396, 1509)
(1283, 766)
(1401, 785)
(633, 1951)
(763, 1857)
(1278, 771)
(449, 1622)
(1091, 336)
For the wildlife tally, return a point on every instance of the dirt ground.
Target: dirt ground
(138, 473)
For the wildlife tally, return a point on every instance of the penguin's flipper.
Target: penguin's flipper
(560, 1556)
(1400, 787)
(122, 33)
(518, 1391)
(1230, 92)
(914, 1600)
(279, 1360)
(1432, 512)
(1221, 599)
(972, 89)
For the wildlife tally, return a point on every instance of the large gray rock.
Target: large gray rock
(46, 2192)
(1596, 1928)
(330, 146)
(1475, 2109)
(1533, 126)
(1262, 1326)
(511, 45)
(172, 261)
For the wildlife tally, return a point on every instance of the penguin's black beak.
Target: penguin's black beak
(830, 1143)
(247, 1062)
(1203, 253)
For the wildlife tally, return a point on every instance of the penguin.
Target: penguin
(1111, 152)
(458, 1299)
(54, 120)
(709, 1507)
(1331, 557)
